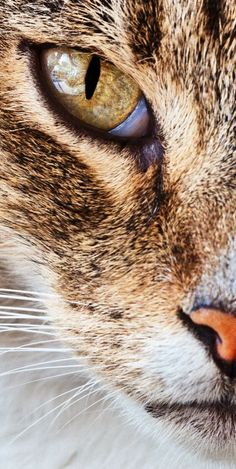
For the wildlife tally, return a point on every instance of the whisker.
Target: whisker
(44, 378)
(21, 329)
(104, 398)
(111, 405)
(28, 325)
(27, 292)
(34, 423)
(39, 342)
(32, 349)
(28, 367)
(52, 399)
(47, 414)
(18, 295)
(39, 366)
(21, 308)
(20, 298)
(69, 402)
(22, 316)
(14, 309)
(41, 369)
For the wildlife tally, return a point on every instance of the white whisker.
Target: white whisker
(6, 315)
(21, 329)
(52, 399)
(104, 398)
(69, 402)
(38, 364)
(33, 298)
(15, 309)
(27, 292)
(41, 366)
(20, 298)
(40, 369)
(44, 378)
(39, 342)
(28, 325)
(35, 423)
(21, 308)
(32, 349)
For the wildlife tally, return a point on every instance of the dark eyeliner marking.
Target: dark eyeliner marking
(92, 77)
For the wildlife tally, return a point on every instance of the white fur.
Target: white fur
(101, 437)
(98, 432)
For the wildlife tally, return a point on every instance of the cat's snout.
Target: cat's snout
(217, 329)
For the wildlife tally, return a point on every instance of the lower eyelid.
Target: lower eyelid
(136, 125)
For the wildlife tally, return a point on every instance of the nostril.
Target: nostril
(219, 340)
(204, 333)
(224, 325)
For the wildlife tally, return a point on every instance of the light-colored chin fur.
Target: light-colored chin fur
(49, 428)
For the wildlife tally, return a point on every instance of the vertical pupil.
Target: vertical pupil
(92, 77)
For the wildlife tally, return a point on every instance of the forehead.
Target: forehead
(149, 20)
(175, 37)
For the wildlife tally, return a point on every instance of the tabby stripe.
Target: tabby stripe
(144, 27)
(212, 10)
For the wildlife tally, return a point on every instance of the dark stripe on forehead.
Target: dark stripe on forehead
(54, 6)
(213, 16)
(143, 25)
(96, 15)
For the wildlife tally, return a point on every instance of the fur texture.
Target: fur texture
(121, 238)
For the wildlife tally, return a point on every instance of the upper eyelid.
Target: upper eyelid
(38, 47)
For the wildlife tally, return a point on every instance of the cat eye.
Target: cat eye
(96, 92)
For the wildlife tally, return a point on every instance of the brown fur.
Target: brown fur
(131, 243)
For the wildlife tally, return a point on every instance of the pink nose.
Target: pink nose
(224, 325)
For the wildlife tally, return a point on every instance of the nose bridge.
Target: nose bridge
(217, 287)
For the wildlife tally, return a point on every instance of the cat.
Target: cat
(118, 244)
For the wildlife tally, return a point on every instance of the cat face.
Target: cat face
(131, 237)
